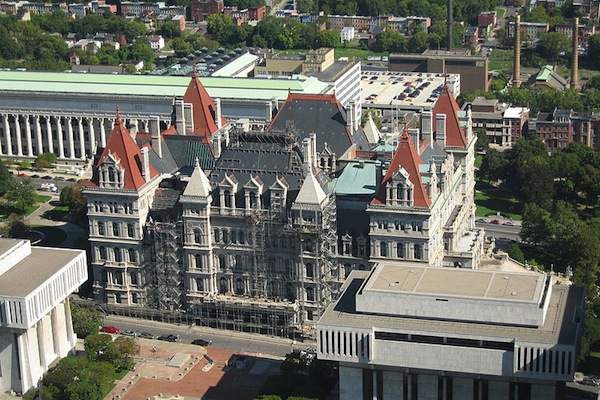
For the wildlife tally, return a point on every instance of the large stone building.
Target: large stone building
(409, 332)
(35, 323)
(243, 230)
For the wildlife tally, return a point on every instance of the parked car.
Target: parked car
(46, 177)
(22, 175)
(481, 221)
(60, 178)
(169, 338)
(202, 342)
(71, 180)
(509, 223)
(129, 333)
(495, 222)
(35, 176)
(146, 335)
(110, 329)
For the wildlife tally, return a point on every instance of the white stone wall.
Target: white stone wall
(351, 380)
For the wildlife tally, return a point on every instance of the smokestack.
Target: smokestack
(517, 69)
(449, 25)
(575, 56)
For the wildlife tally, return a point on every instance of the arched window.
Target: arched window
(225, 237)
(400, 250)
(101, 228)
(198, 261)
(115, 229)
(200, 284)
(130, 230)
(239, 286)
(227, 196)
(289, 291)
(102, 251)
(217, 235)
(233, 237)
(118, 254)
(310, 294)
(383, 247)
(252, 199)
(347, 269)
(131, 254)
(238, 262)
(418, 252)
(197, 236)
(400, 191)
(310, 270)
(241, 238)
(223, 285)
(222, 262)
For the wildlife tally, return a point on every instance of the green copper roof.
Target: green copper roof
(544, 73)
(151, 85)
(357, 178)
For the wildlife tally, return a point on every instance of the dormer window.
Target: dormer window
(111, 174)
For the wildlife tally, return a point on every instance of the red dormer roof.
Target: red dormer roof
(406, 157)
(204, 107)
(446, 104)
(122, 146)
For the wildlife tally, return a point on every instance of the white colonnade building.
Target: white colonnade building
(35, 317)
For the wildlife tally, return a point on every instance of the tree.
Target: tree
(553, 45)
(101, 347)
(515, 252)
(483, 141)
(16, 227)
(493, 165)
(25, 164)
(86, 321)
(169, 30)
(376, 118)
(5, 178)
(593, 54)
(73, 197)
(391, 41)
(536, 225)
(21, 194)
(45, 160)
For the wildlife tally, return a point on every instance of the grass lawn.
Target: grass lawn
(57, 213)
(501, 60)
(591, 364)
(500, 12)
(492, 202)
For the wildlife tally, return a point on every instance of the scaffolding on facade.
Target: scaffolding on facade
(165, 272)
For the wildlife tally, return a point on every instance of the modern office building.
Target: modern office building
(473, 70)
(35, 317)
(410, 332)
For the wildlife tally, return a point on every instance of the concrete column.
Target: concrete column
(44, 362)
(71, 336)
(70, 140)
(18, 133)
(49, 138)
(81, 138)
(102, 132)
(59, 133)
(28, 136)
(92, 136)
(375, 388)
(38, 135)
(7, 134)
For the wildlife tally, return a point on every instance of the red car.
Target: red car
(110, 329)
(495, 222)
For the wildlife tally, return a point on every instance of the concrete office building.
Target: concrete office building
(472, 69)
(408, 332)
(35, 318)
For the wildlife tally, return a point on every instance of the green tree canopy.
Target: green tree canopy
(86, 321)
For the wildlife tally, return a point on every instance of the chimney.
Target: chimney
(350, 117)
(517, 67)
(575, 56)
(313, 139)
(216, 144)
(307, 152)
(440, 130)
(427, 126)
(179, 116)
(145, 164)
(449, 22)
(188, 109)
(218, 116)
(414, 136)
(154, 128)
(275, 106)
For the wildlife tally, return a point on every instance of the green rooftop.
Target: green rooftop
(151, 85)
(357, 178)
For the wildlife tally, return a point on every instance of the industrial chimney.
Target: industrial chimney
(449, 22)
(575, 56)
(517, 67)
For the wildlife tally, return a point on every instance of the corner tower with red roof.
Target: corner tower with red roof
(119, 197)
(424, 209)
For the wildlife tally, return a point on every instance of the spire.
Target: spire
(194, 73)
(118, 118)
(203, 107)
(198, 186)
(446, 104)
(311, 191)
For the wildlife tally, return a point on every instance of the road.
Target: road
(237, 341)
(500, 231)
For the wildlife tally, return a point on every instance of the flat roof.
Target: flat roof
(397, 89)
(156, 85)
(457, 282)
(559, 326)
(35, 269)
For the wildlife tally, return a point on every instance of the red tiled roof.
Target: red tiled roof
(406, 157)
(204, 108)
(446, 104)
(121, 145)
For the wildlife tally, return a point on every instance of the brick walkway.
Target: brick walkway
(197, 379)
